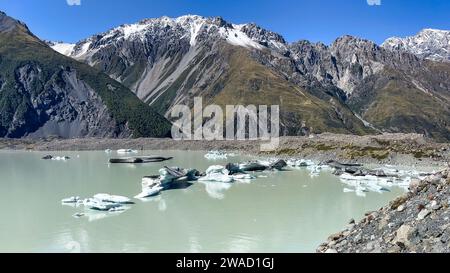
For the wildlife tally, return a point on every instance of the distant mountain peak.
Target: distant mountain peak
(191, 28)
(433, 44)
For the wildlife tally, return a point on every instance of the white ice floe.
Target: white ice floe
(299, 163)
(96, 204)
(217, 155)
(71, 200)
(108, 151)
(243, 178)
(60, 158)
(217, 173)
(104, 197)
(127, 151)
(149, 191)
(368, 183)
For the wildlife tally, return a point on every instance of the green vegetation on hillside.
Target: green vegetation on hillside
(19, 48)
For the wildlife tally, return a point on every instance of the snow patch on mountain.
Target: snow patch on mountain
(236, 37)
(432, 44)
(63, 48)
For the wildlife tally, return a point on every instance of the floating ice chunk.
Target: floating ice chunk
(127, 151)
(96, 204)
(315, 170)
(347, 190)
(216, 155)
(243, 178)
(60, 158)
(149, 191)
(217, 177)
(360, 193)
(217, 169)
(119, 209)
(108, 151)
(217, 173)
(104, 197)
(300, 163)
(71, 200)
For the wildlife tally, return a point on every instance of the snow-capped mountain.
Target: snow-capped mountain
(168, 61)
(192, 28)
(430, 44)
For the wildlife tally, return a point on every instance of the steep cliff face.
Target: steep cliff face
(43, 93)
(65, 107)
(394, 91)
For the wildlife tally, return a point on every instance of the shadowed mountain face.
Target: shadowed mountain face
(351, 86)
(43, 93)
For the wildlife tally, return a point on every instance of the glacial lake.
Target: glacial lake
(282, 212)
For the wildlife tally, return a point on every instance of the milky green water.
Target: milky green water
(283, 212)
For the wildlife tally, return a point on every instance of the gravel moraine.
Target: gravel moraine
(418, 222)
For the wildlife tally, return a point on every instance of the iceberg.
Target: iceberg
(71, 200)
(60, 158)
(127, 151)
(96, 204)
(244, 178)
(217, 173)
(216, 155)
(149, 192)
(104, 197)
(300, 163)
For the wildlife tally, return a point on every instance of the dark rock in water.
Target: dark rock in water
(338, 165)
(278, 165)
(47, 157)
(233, 168)
(136, 160)
(350, 170)
(338, 172)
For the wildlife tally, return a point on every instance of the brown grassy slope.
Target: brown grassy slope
(248, 82)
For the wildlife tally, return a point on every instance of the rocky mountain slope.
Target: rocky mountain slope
(430, 44)
(44, 93)
(169, 61)
(351, 86)
(417, 222)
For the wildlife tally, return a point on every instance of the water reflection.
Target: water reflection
(216, 190)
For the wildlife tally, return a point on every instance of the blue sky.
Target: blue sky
(315, 20)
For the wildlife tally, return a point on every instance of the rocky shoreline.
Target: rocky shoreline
(394, 149)
(418, 222)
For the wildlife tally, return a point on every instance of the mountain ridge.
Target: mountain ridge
(346, 87)
(168, 61)
(44, 93)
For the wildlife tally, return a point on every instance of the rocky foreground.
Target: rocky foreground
(418, 222)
